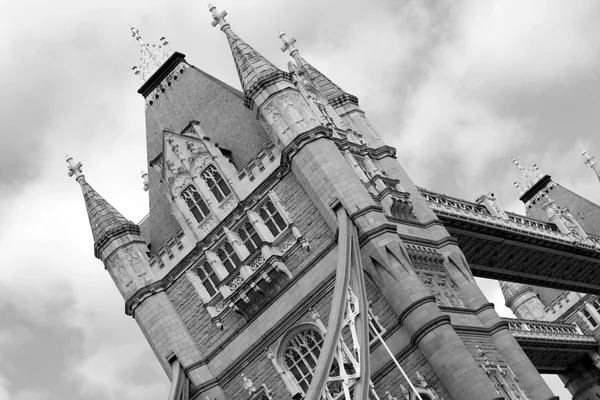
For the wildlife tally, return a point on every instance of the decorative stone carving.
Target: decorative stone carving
(180, 181)
(248, 385)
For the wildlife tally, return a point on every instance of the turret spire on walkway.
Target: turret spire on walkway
(590, 161)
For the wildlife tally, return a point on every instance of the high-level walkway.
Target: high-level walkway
(519, 249)
(551, 346)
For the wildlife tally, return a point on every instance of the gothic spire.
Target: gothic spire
(105, 220)
(152, 56)
(334, 94)
(593, 165)
(253, 69)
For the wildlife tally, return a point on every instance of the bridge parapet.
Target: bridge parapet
(567, 335)
(469, 211)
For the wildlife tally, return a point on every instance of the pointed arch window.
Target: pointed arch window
(272, 218)
(208, 278)
(228, 257)
(301, 354)
(249, 237)
(195, 203)
(216, 184)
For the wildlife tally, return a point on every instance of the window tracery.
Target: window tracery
(195, 203)
(208, 278)
(228, 257)
(249, 237)
(272, 218)
(216, 184)
(300, 355)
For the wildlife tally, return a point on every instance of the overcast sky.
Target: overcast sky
(457, 87)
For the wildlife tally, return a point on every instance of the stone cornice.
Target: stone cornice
(413, 306)
(122, 230)
(262, 83)
(428, 327)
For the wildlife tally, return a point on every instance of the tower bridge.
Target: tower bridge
(287, 254)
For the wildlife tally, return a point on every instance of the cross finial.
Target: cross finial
(74, 169)
(289, 45)
(588, 159)
(218, 18)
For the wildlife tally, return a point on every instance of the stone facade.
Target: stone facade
(237, 261)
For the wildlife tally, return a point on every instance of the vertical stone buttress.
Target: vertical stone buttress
(326, 176)
(118, 244)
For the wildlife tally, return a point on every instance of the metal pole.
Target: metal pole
(395, 361)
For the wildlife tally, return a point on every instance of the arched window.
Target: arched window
(216, 183)
(228, 257)
(195, 203)
(208, 277)
(271, 217)
(249, 237)
(300, 355)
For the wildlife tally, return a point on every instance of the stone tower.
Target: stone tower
(547, 200)
(234, 274)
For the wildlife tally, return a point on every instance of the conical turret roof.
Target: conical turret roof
(334, 94)
(253, 69)
(105, 221)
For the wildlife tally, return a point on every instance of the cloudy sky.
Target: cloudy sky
(457, 86)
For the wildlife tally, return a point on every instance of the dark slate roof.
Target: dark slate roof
(220, 110)
(251, 65)
(576, 204)
(325, 85)
(104, 218)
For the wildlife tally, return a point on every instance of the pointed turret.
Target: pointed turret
(255, 71)
(334, 94)
(590, 161)
(106, 222)
(344, 104)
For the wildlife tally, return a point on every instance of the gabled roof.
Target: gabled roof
(221, 113)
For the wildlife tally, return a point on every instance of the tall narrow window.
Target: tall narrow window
(271, 217)
(249, 237)
(596, 305)
(195, 203)
(301, 354)
(589, 318)
(216, 183)
(228, 257)
(209, 278)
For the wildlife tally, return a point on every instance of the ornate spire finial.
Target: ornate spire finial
(593, 165)
(74, 169)
(152, 56)
(218, 18)
(289, 45)
(527, 176)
